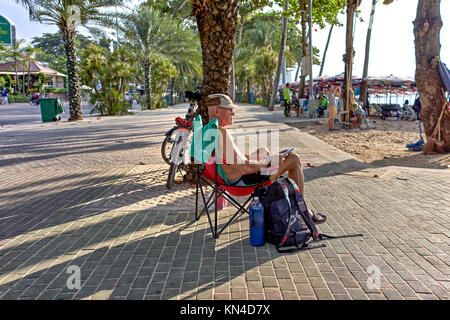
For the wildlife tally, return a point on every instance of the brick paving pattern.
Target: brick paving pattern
(92, 195)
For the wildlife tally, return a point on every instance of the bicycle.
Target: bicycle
(177, 140)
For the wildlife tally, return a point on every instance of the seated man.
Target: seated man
(244, 170)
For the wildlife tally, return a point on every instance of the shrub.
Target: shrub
(55, 90)
(262, 102)
(18, 99)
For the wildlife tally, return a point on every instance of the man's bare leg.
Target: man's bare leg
(293, 166)
(330, 123)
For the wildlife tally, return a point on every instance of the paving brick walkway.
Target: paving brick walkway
(91, 197)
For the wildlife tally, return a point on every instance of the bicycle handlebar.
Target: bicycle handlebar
(193, 95)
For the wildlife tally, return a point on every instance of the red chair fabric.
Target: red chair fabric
(209, 173)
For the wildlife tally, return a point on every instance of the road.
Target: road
(24, 113)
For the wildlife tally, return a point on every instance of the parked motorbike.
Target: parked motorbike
(175, 147)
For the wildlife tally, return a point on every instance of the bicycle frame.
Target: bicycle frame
(178, 155)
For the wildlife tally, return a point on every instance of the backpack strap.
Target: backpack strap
(292, 219)
(303, 209)
(323, 236)
(304, 246)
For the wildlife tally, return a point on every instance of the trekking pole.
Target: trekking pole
(420, 130)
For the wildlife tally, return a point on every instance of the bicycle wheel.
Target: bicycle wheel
(166, 147)
(171, 175)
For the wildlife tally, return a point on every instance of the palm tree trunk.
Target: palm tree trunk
(172, 84)
(232, 91)
(233, 69)
(148, 85)
(349, 53)
(72, 74)
(216, 21)
(304, 44)
(363, 93)
(326, 49)
(427, 27)
(28, 77)
(17, 76)
(299, 64)
(280, 61)
(23, 77)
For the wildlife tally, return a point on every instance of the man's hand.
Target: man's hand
(277, 159)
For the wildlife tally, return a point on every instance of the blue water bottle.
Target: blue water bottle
(256, 223)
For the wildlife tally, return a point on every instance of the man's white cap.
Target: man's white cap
(220, 99)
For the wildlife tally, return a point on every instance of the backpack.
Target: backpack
(287, 222)
(286, 219)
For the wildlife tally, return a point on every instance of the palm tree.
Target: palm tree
(216, 22)
(257, 59)
(246, 8)
(262, 35)
(427, 28)
(352, 6)
(155, 36)
(67, 15)
(30, 56)
(325, 50)
(363, 93)
(16, 53)
(280, 59)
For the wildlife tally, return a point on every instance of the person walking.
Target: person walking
(333, 93)
(4, 96)
(287, 100)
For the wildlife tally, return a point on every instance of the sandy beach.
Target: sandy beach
(384, 145)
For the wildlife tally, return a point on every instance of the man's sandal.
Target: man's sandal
(318, 218)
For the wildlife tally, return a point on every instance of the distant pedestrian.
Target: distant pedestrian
(287, 100)
(333, 93)
(4, 96)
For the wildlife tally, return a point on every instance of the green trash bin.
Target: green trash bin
(167, 100)
(50, 109)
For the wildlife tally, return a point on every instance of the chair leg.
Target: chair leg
(217, 192)
(196, 199)
(215, 213)
(241, 208)
(207, 211)
(208, 203)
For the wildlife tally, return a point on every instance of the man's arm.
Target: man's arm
(236, 163)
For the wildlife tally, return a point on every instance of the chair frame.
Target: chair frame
(218, 190)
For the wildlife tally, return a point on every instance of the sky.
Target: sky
(392, 43)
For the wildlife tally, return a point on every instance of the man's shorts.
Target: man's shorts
(249, 180)
(5, 99)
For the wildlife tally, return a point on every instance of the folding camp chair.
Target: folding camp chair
(313, 105)
(210, 174)
(378, 109)
(409, 113)
(363, 114)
